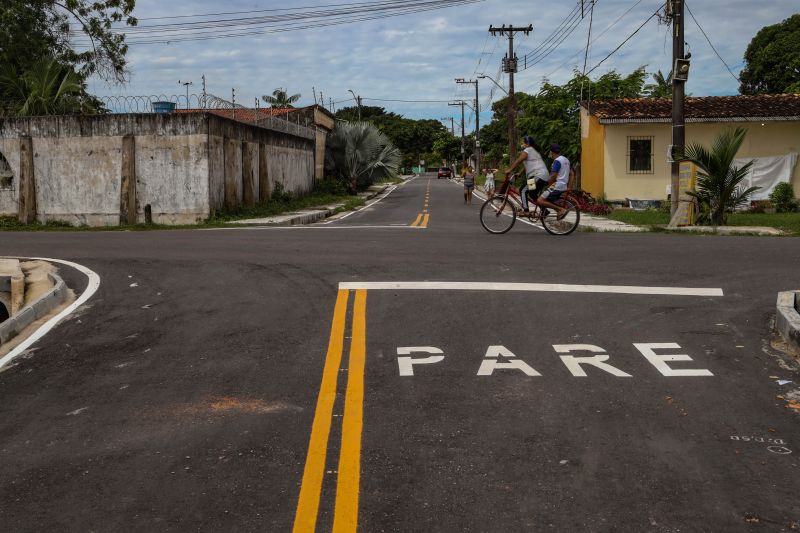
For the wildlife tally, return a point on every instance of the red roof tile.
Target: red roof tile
(699, 109)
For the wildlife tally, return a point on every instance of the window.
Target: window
(6, 176)
(640, 155)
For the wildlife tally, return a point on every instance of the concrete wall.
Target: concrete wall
(762, 140)
(180, 160)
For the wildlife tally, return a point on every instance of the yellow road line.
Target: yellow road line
(424, 221)
(305, 519)
(345, 516)
(417, 221)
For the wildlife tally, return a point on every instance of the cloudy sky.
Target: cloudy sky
(417, 56)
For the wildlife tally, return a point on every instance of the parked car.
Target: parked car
(444, 172)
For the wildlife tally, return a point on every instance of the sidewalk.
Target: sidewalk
(308, 216)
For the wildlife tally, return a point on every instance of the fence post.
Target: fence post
(27, 182)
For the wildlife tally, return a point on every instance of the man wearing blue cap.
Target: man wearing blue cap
(560, 174)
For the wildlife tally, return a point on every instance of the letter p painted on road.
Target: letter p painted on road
(406, 364)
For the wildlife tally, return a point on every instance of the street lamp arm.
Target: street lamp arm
(493, 81)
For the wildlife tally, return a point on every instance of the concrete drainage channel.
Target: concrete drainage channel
(33, 311)
(788, 316)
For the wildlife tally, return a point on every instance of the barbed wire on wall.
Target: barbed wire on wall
(295, 121)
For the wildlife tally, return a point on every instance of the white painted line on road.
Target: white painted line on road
(527, 287)
(91, 288)
(391, 190)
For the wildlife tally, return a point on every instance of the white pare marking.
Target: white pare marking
(775, 445)
(527, 287)
(406, 364)
(91, 288)
(573, 363)
(660, 360)
(492, 362)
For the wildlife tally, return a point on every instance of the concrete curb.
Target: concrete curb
(33, 312)
(788, 317)
(307, 216)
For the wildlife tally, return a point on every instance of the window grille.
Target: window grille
(640, 155)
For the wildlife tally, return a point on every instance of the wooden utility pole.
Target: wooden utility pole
(678, 94)
(463, 151)
(510, 67)
(477, 124)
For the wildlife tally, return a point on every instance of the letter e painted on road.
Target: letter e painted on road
(492, 362)
(574, 363)
(406, 364)
(660, 361)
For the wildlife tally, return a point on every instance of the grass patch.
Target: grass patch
(787, 222)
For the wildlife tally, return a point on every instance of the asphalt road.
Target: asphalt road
(271, 379)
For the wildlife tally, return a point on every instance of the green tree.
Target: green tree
(662, 88)
(719, 183)
(772, 59)
(46, 88)
(357, 154)
(280, 99)
(33, 29)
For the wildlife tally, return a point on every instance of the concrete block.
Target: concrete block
(787, 319)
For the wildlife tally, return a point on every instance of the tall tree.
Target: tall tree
(280, 99)
(46, 88)
(772, 59)
(34, 29)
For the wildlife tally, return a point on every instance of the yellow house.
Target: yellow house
(624, 142)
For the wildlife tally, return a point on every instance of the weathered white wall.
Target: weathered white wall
(292, 168)
(9, 198)
(170, 177)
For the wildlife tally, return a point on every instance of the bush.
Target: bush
(782, 197)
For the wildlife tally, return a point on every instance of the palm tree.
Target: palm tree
(48, 88)
(719, 183)
(662, 88)
(280, 99)
(358, 153)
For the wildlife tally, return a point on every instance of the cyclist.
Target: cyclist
(560, 176)
(535, 171)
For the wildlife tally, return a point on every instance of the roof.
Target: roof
(762, 107)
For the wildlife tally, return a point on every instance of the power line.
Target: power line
(657, 11)
(555, 34)
(274, 24)
(595, 39)
(709, 42)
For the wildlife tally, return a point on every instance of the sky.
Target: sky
(418, 56)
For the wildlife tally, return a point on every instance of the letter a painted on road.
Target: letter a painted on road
(492, 362)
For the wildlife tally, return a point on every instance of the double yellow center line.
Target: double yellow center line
(422, 219)
(345, 516)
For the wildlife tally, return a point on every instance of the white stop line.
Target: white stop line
(528, 287)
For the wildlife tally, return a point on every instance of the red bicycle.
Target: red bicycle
(500, 212)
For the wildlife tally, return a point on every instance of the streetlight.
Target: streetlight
(358, 101)
(186, 84)
(484, 76)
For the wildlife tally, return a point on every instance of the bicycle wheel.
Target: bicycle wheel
(497, 215)
(566, 225)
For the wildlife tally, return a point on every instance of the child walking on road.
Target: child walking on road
(469, 184)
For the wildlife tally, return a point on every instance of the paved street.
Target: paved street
(400, 369)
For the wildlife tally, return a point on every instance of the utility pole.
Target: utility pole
(510, 67)
(678, 94)
(463, 152)
(477, 124)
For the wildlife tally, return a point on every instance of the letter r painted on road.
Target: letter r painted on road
(406, 364)
(574, 363)
(660, 361)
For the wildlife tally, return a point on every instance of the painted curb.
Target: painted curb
(788, 317)
(36, 310)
